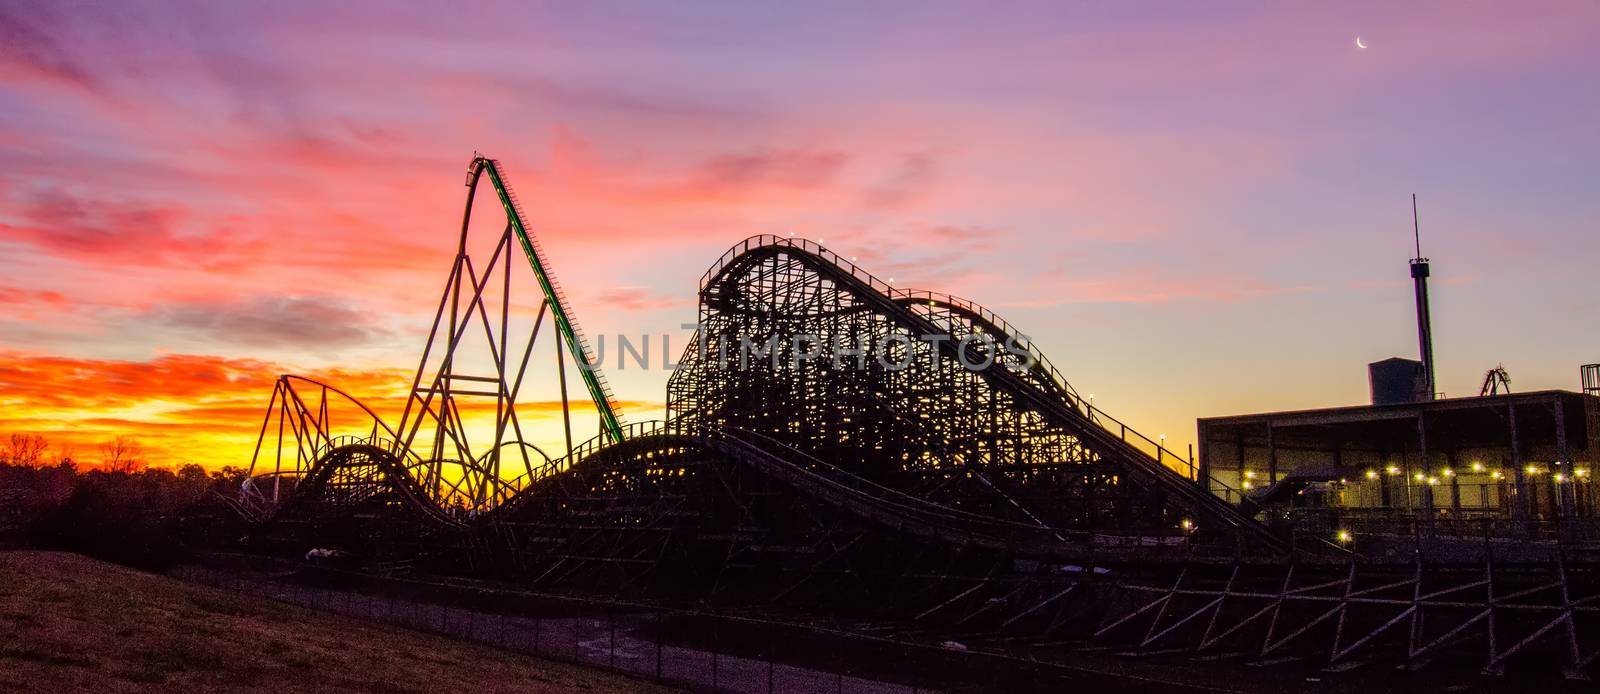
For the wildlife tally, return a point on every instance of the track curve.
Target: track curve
(1006, 458)
(759, 285)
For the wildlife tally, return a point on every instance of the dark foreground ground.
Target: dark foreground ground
(760, 655)
(68, 623)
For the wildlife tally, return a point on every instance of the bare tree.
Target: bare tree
(25, 449)
(121, 454)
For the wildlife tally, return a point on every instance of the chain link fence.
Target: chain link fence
(631, 640)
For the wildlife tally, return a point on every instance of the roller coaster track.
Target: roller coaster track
(476, 351)
(1041, 387)
(379, 472)
(811, 477)
(987, 502)
(1036, 383)
(328, 455)
(310, 447)
(560, 309)
(389, 474)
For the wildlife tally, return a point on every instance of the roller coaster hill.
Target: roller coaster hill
(973, 496)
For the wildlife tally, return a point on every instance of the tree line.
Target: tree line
(119, 509)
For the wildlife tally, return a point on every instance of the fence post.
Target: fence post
(838, 673)
(611, 621)
(658, 644)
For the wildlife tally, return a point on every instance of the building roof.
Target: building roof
(1360, 413)
(1474, 421)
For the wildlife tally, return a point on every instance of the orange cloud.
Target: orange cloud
(184, 408)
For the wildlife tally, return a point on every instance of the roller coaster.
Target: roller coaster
(920, 466)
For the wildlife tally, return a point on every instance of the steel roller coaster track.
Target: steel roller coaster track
(988, 502)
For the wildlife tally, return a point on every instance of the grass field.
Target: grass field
(68, 623)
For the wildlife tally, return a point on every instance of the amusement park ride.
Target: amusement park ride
(991, 505)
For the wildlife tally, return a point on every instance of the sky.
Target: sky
(1193, 209)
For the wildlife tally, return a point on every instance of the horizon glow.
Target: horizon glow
(1191, 211)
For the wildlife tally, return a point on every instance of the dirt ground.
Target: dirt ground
(68, 623)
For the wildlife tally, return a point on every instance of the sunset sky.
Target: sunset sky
(1194, 209)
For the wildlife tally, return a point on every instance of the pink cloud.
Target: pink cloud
(15, 296)
(641, 299)
(120, 233)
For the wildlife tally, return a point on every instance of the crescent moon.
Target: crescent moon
(1359, 44)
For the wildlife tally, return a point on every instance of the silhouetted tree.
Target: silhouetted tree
(118, 511)
(25, 449)
(193, 474)
(121, 454)
(230, 476)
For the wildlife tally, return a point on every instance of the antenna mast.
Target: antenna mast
(1419, 278)
(1416, 227)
